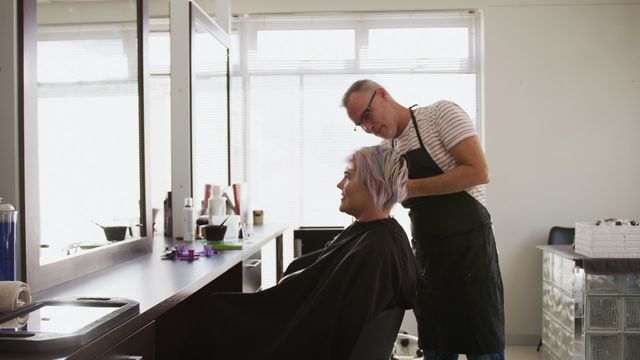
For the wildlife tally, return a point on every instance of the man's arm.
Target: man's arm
(471, 170)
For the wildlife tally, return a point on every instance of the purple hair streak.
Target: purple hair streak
(383, 171)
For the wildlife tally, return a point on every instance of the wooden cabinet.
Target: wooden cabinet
(171, 294)
(139, 345)
(252, 273)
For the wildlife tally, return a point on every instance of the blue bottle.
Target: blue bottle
(8, 218)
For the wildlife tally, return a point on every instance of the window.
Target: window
(295, 70)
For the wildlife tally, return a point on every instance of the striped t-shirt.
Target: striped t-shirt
(442, 125)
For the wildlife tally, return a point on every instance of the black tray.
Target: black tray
(63, 323)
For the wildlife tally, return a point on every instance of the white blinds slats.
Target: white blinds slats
(299, 135)
(395, 42)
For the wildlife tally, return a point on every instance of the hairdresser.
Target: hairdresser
(459, 305)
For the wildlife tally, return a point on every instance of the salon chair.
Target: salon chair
(559, 235)
(378, 336)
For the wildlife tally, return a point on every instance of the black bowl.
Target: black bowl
(115, 233)
(214, 232)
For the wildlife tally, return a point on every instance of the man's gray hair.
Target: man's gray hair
(364, 85)
(384, 172)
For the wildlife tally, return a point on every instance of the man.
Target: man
(459, 307)
(318, 311)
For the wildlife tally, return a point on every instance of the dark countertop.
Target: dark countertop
(150, 280)
(158, 285)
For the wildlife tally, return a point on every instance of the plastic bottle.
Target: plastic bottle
(8, 226)
(205, 203)
(189, 220)
(217, 205)
(168, 222)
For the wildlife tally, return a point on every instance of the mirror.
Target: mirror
(88, 126)
(209, 104)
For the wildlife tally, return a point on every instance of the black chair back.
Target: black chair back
(561, 235)
(377, 338)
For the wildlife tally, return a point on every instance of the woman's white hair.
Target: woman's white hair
(384, 172)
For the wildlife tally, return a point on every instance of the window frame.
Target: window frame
(252, 24)
(246, 27)
(40, 277)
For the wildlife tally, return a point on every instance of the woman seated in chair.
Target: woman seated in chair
(319, 311)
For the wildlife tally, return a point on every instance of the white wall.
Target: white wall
(562, 117)
(8, 103)
(8, 108)
(562, 126)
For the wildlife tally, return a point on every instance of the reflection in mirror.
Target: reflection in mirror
(209, 105)
(159, 90)
(88, 125)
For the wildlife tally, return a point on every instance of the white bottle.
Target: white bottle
(217, 205)
(189, 220)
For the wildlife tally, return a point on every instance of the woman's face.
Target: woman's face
(356, 198)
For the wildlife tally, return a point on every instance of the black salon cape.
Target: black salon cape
(317, 313)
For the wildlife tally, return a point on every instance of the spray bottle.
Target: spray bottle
(189, 220)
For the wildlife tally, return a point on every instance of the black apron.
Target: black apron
(459, 306)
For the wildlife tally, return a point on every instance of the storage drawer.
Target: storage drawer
(252, 273)
(139, 345)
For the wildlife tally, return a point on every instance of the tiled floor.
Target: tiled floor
(511, 352)
(518, 353)
(522, 353)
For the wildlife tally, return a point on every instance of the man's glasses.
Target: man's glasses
(364, 117)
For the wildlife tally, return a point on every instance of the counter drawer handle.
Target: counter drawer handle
(253, 264)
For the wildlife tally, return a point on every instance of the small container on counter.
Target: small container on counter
(8, 229)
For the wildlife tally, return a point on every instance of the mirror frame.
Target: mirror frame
(40, 277)
(183, 15)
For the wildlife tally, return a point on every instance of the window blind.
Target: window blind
(294, 70)
(417, 42)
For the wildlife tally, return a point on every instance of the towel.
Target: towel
(13, 294)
